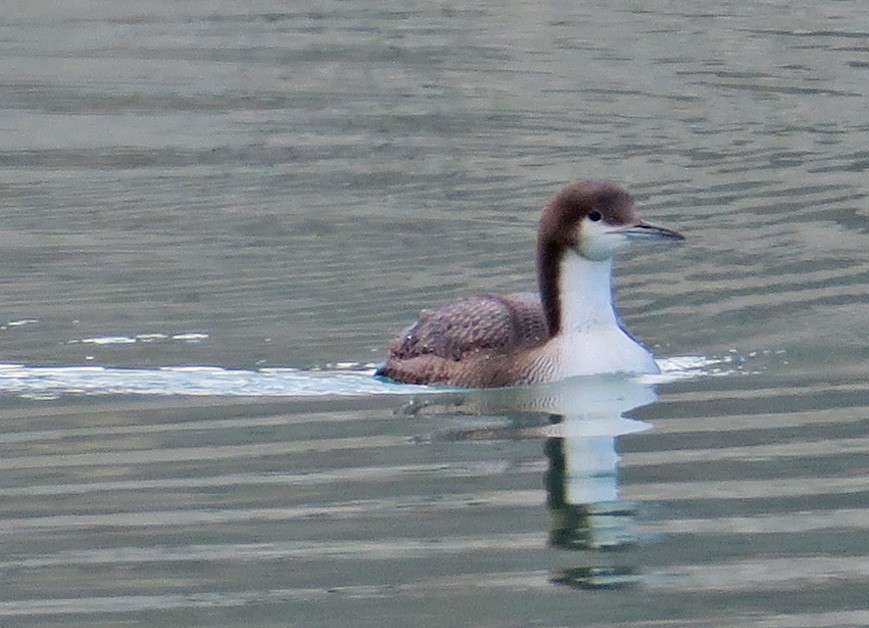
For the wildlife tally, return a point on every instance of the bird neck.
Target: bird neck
(585, 293)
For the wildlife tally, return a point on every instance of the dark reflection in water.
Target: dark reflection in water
(579, 422)
(583, 497)
(579, 521)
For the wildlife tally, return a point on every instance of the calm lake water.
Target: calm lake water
(214, 216)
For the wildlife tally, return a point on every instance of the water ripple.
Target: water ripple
(47, 382)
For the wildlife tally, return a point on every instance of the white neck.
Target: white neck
(585, 293)
(591, 341)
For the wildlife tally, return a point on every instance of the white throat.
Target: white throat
(591, 340)
(586, 295)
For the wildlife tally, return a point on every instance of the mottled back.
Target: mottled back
(490, 323)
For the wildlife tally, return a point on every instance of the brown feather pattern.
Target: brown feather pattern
(487, 327)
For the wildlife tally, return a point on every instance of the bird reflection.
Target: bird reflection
(579, 421)
(582, 477)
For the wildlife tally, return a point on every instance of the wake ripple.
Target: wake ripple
(50, 382)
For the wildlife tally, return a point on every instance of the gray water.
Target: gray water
(214, 216)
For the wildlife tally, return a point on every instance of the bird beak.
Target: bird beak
(644, 231)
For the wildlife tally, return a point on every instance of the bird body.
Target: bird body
(571, 329)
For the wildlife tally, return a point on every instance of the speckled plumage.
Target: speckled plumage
(484, 329)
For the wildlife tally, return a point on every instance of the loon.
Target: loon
(572, 329)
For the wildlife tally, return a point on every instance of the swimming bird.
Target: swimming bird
(571, 329)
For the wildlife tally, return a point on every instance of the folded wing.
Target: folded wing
(494, 325)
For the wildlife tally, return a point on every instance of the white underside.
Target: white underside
(598, 350)
(591, 341)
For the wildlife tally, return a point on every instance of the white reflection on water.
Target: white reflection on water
(47, 382)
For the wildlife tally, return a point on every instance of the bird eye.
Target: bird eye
(594, 216)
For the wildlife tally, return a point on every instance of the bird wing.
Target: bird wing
(488, 322)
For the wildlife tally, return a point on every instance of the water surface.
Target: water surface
(214, 217)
